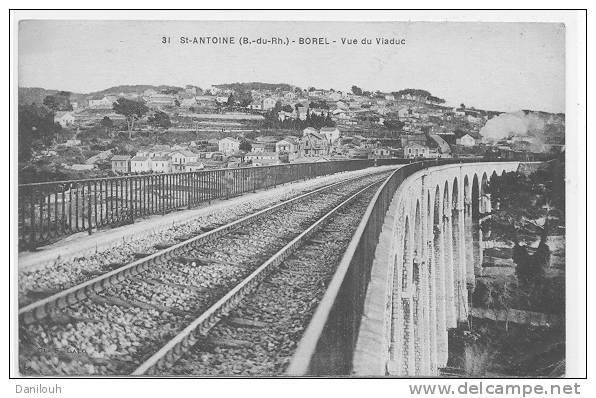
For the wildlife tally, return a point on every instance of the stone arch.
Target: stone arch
(467, 199)
(436, 206)
(475, 196)
(455, 195)
(484, 184)
(446, 200)
(418, 229)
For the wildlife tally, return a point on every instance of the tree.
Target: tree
(37, 130)
(58, 102)
(356, 90)
(287, 108)
(176, 102)
(107, 123)
(160, 119)
(131, 110)
(231, 100)
(245, 146)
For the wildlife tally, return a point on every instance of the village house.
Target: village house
(140, 164)
(331, 134)
(159, 100)
(120, 164)
(466, 140)
(313, 143)
(263, 147)
(335, 96)
(262, 158)
(381, 152)
(194, 166)
(161, 164)
(65, 119)
(180, 158)
(288, 145)
(106, 102)
(414, 150)
(228, 145)
(268, 103)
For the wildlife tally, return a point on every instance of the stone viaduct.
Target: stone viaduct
(423, 269)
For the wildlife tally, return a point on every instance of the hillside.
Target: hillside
(136, 88)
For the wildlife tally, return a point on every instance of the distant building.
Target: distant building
(268, 103)
(228, 145)
(263, 147)
(313, 143)
(414, 150)
(262, 158)
(466, 140)
(161, 164)
(140, 164)
(159, 100)
(104, 103)
(194, 166)
(331, 134)
(65, 119)
(288, 145)
(120, 164)
(180, 158)
(335, 96)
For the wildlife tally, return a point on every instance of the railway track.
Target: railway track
(142, 317)
(259, 337)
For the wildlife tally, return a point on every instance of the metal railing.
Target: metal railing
(328, 344)
(51, 210)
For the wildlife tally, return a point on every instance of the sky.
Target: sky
(495, 66)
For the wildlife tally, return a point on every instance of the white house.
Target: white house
(269, 103)
(65, 119)
(228, 145)
(161, 164)
(331, 134)
(180, 158)
(335, 96)
(140, 164)
(466, 140)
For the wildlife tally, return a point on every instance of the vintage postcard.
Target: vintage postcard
(270, 197)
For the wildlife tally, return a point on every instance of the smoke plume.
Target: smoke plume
(512, 124)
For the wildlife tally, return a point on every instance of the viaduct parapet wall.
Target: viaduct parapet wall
(423, 269)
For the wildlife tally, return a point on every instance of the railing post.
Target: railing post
(89, 210)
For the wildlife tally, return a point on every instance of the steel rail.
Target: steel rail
(42, 308)
(180, 343)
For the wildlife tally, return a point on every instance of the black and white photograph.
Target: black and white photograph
(212, 197)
